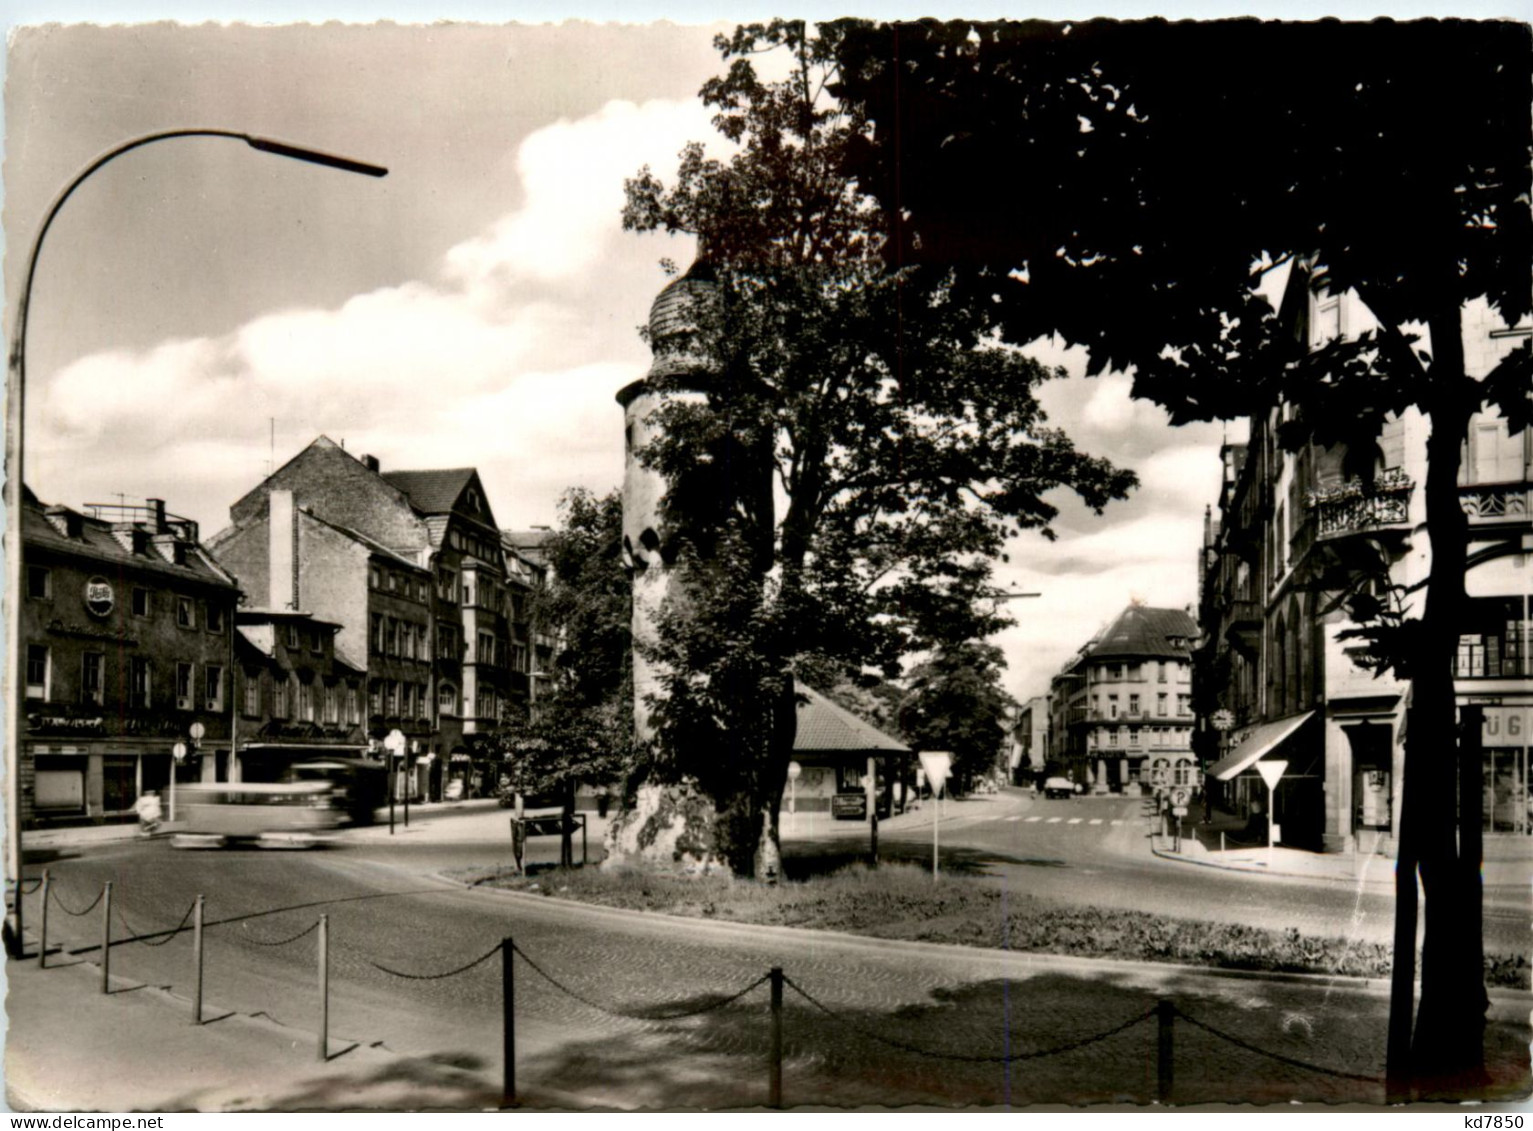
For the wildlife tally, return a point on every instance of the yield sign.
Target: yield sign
(1271, 771)
(937, 765)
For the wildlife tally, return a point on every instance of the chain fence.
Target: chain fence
(58, 901)
(1165, 1010)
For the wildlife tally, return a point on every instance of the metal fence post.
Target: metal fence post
(197, 950)
(1165, 1012)
(324, 987)
(42, 949)
(774, 1097)
(106, 937)
(508, 1022)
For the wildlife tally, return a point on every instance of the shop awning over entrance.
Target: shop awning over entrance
(1260, 741)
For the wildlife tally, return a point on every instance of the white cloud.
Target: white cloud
(509, 361)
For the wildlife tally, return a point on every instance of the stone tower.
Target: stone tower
(661, 816)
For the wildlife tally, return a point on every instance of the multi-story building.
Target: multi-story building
(127, 649)
(409, 565)
(1296, 532)
(296, 696)
(1123, 705)
(1030, 741)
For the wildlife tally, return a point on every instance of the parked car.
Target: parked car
(1058, 787)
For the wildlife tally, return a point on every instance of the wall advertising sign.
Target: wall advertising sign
(99, 598)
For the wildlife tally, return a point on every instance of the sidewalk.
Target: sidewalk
(1224, 842)
(150, 1057)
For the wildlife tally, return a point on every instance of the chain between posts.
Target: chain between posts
(310, 929)
(436, 977)
(138, 938)
(1002, 1059)
(67, 910)
(637, 1016)
(1238, 1043)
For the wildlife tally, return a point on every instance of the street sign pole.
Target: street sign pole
(177, 756)
(1271, 773)
(937, 764)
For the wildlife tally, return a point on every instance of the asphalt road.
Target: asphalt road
(904, 1029)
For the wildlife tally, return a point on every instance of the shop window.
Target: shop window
(1497, 640)
(39, 671)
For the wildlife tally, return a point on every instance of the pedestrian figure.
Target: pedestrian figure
(148, 809)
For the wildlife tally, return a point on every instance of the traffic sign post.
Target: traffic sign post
(937, 765)
(1271, 772)
(178, 755)
(394, 745)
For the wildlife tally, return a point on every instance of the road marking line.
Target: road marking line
(1096, 820)
(1055, 820)
(1010, 819)
(1073, 821)
(1117, 822)
(1030, 820)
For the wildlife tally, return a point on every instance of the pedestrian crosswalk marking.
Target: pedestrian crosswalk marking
(1117, 822)
(1010, 819)
(1073, 821)
(1030, 820)
(1055, 820)
(1096, 820)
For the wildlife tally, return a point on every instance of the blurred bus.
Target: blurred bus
(288, 813)
(361, 786)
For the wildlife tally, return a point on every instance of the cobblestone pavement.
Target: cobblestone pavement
(908, 1023)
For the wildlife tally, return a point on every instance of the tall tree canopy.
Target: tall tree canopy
(1121, 185)
(902, 445)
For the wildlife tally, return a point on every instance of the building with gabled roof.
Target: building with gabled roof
(837, 752)
(126, 651)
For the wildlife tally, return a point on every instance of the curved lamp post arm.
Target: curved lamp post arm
(15, 433)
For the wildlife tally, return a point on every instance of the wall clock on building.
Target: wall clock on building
(99, 598)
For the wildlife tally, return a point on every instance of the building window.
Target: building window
(215, 617)
(468, 589)
(215, 687)
(1112, 706)
(317, 644)
(293, 641)
(186, 612)
(422, 642)
(252, 705)
(447, 699)
(306, 701)
(39, 669)
(1112, 737)
(39, 583)
(447, 642)
(519, 658)
(140, 682)
(447, 585)
(391, 698)
(1182, 705)
(393, 583)
(1160, 704)
(1183, 673)
(93, 678)
(374, 578)
(486, 703)
(353, 710)
(1133, 704)
(486, 652)
(332, 706)
(1161, 677)
(1133, 737)
(375, 697)
(1133, 671)
(183, 687)
(377, 633)
(278, 697)
(141, 602)
(407, 700)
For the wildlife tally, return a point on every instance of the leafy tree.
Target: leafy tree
(956, 704)
(1120, 184)
(901, 444)
(578, 728)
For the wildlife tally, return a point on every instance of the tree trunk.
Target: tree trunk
(1447, 1052)
(567, 828)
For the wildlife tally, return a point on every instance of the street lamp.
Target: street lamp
(15, 427)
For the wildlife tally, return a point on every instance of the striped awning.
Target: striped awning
(1263, 740)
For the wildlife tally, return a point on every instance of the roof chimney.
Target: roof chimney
(371, 463)
(282, 527)
(157, 509)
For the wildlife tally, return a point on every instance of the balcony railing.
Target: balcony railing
(1497, 501)
(1353, 506)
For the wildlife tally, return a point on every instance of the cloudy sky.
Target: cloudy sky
(201, 306)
